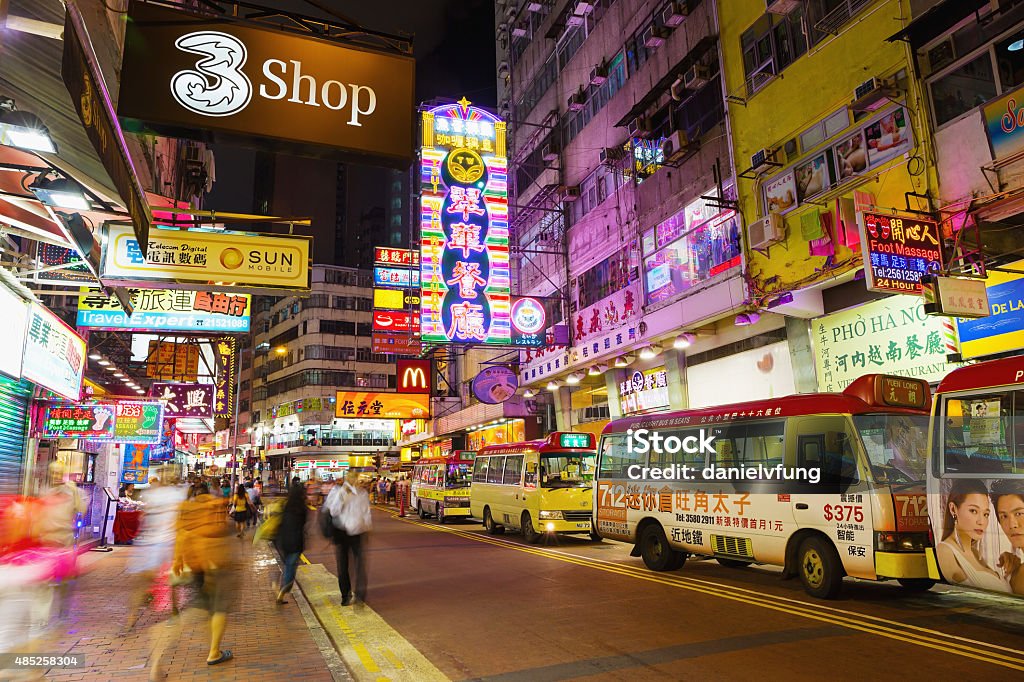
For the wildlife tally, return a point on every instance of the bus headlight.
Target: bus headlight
(551, 515)
(550, 526)
(888, 541)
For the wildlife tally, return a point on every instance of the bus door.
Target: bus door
(842, 504)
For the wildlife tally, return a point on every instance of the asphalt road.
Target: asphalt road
(495, 608)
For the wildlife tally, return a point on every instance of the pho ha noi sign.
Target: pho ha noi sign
(190, 76)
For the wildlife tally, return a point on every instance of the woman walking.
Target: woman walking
(291, 537)
(240, 509)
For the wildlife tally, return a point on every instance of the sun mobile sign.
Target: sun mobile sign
(464, 261)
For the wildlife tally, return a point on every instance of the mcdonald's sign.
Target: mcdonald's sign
(413, 376)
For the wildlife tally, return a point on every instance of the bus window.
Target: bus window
(494, 470)
(480, 469)
(566, 470)
(665, 457)
(616, 457)
(747, 445)
(458, 475)
(530, 477)
(832, 453)
(513, 470)
(979, 434)
(896, 445)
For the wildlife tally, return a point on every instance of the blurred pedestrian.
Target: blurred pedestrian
(349, 507)
(240, 509)
(155, 542)
(225, 488)
(291, 537)
(202, 547)
(254, 503)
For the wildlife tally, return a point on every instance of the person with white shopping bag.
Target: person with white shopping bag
(349, 507)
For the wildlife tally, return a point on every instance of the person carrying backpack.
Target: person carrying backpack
(349, 508)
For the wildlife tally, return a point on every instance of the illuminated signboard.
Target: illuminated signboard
(91, 422)
(388, 256)
(464, 246)
(226, 350)
(413, 376)
(166, 310)
(388, 321)
(399, 278)
(185, 400)
(396, 344)
(393, 299)
(382, 405)
(135, 465)
(644, 390)
(138, 422)
(54, 355)
(898, 251)
(576, 440)
(529, 321)
(14, 313)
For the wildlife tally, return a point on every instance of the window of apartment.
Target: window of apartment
(824, 129)
(337, 327)
(364, 328)
(963, 88)
(770, 45)
(537, 86)
(363, 303)
(318, 301)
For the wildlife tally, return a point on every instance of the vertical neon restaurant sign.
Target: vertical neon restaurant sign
(464, 251)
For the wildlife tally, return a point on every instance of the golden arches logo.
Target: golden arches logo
(415, 377)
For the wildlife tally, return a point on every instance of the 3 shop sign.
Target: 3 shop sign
(193, 76)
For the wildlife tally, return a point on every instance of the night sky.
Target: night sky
(453, 43)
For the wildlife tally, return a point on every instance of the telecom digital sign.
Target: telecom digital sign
(464, 248)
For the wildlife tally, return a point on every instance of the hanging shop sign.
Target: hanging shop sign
(166, 310)
(644, 390)
(396, 344)
(192, 76)
(84, 81)
(495, 384)
(892, 335)
(389, 321)
(382, 405)
(138, 422)
(167, 360)
(394, 299)
(396, 278)
(14, 313)
(529, 321)
(413, 376)
(1003, 329)
(1004, 123)
(206, 260)
(898, 251)
(185, 400)
(135, 463)
(54, 356)
(954, 296)
(226, 353)
(464, 253)
(89, 422)
(403, 257)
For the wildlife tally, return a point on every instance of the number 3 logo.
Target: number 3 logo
(217, 87)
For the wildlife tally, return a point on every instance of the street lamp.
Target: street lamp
(23, 130)
(60, 193)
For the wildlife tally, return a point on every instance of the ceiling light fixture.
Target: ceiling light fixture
(573, 378)
(684, 340)
(553, 386)
(747, 319)
(103, 363)
(23, 130)
(1016, 46)
(59, 192)
(118, 375)
(111, 368)
(648, 352)
(95, 356)
(623, 361)
(529, 393)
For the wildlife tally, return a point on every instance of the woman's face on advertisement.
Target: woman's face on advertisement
(972, 515)
(1010, 514)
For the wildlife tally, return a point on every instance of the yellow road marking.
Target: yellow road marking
(304, 559)
(846, 619)
(390, 655)
(361, 651)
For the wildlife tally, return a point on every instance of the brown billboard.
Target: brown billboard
(222, 79)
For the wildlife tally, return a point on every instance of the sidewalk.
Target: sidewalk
(269, 642)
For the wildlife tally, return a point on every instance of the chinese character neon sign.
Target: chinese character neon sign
(464, 252)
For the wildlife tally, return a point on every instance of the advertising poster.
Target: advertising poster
(1004, 123)
(888, 136)
(813, 177)
(889, 336)
(851, 156)
(1003, 329)
(54, 354)
(644, 390)
(166, 310)
(780, 193)
(135, 463)
(495, 384)
(382, 405)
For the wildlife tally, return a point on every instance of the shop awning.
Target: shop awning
(937, 20)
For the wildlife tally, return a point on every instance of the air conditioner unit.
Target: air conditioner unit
(697, 77)
(534, 7)
(639, 127)
(549, 152)
(782, 6)
(674, 13)
(510, 13)
(574, 20)
(503, 70)
(654, 37)
(766, 231)
(577, 101)
(675, 146)
(870, 95)
(519, 30)
(584, 8)
(599, 74)
(759, 160)
(569, 193)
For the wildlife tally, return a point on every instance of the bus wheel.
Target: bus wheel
(657, 554)
(821, 572)
(732, 563)
(420, 511)
(595, 536)
(916, 584)
(529, 534)
(439, 513)
(489, 524)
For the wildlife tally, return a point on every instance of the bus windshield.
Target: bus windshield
(896, 445)
(566, 470)
(459, 475)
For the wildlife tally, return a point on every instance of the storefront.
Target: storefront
(15, 404)
(505, 431)
(756, 374)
